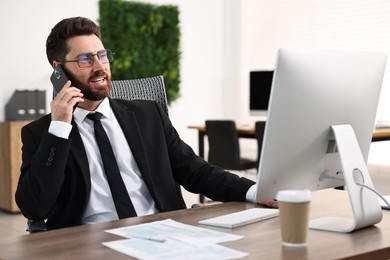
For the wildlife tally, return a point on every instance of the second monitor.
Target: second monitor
(260, 83)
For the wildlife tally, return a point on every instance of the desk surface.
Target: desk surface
(380, 134)
(246, 129)
(261, 241)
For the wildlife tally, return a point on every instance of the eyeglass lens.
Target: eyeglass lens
(87, 59)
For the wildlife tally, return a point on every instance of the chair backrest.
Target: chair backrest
(259, 129)
(224, 149)
(151, 88)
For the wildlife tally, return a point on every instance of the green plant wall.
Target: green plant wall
(145, 39)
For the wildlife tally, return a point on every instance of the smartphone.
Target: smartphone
(58, 79)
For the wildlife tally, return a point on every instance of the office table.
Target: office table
(382, 134)
(261, 240)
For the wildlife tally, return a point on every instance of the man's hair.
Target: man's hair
(56, 48)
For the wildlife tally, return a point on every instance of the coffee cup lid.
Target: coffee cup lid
(294, 195)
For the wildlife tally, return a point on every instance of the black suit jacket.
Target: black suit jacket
(55, 178)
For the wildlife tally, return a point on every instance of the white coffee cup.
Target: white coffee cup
(294, 206)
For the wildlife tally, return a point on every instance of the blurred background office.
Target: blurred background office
(221, 42)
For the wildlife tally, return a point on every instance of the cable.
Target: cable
(326, 175)
(376, 192)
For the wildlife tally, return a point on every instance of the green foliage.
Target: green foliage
(145, 39)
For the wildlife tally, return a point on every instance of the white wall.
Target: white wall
(332, 24)
(221, 41)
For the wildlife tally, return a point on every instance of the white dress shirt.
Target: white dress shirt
(100, 205)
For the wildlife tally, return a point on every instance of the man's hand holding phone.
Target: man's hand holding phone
(66, 96)
(63, 104)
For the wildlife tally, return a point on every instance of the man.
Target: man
(63, 177)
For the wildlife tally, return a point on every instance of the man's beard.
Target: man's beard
(93, 94)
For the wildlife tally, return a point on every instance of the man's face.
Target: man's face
(94, 82)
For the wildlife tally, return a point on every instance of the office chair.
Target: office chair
(151, 88)
(259, 131)
(224, 147)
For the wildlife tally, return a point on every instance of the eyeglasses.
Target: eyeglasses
(85, 60)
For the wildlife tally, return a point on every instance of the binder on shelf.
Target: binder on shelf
(30, 104)
(40, 96)
(26, 105)
(15, 108)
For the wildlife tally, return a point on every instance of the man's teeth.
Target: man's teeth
(98, 79)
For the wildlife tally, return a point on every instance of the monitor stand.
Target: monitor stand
(364, 203)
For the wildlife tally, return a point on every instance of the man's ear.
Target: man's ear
(55, 64)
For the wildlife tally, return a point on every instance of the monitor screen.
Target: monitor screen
(260, 83)
(313, 90)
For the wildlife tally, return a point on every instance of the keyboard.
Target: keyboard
(241, 218)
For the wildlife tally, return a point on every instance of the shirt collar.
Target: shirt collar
(79, 114)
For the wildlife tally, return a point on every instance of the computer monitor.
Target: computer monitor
(319, 128)
(260, 83)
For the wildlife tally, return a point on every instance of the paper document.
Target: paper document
(169, 239)
(172, 249)
(170, 229)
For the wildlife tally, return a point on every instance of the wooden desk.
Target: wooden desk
(261, 240)
(382, 134)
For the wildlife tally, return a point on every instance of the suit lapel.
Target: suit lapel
(128, 122)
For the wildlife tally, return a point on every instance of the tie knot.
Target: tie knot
(95, 117)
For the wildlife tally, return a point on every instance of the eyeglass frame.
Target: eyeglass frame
(90, 58)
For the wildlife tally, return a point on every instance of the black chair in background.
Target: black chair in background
(224, 147)
(259, 130)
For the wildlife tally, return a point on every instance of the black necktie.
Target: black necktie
(122, 201)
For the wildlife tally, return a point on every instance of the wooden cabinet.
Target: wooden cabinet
(10, 162)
